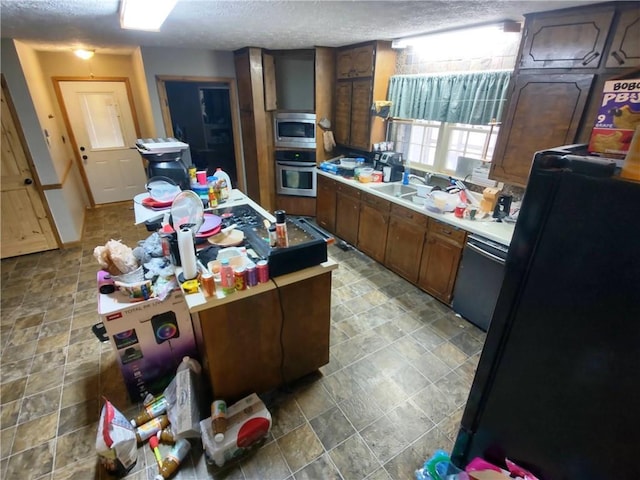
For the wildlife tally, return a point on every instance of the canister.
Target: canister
(263, 271)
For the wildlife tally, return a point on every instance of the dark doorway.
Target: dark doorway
(201, 116)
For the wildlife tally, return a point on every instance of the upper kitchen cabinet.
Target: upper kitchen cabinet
(362, 76)
(570, 40)
(565, 58)
(355, 62)
(625, 48)
(544, 111)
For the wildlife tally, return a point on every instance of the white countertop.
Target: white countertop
(500, 232)
(236, 197)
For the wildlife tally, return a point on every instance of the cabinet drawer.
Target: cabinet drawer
(417, 218)
(448, 231)
(378, 203)
(347, 190)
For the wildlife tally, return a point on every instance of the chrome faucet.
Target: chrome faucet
(425, 180)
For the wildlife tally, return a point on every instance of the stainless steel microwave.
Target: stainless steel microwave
(295, 130)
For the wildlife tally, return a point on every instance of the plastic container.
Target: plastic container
(281, 228)
(365, 175)
(226, 277)
(143, 432)
(219, 419)
(157, 407)
(174, 458)
(222, 175)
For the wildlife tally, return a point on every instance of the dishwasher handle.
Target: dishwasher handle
(485, 254)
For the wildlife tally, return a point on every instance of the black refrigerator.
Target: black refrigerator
(557, 388)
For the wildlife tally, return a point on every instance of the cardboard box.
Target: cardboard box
(617, 118)
(150, 339)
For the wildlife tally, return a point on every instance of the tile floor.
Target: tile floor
(394, 391)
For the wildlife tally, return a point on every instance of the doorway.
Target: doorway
(199, 112)
(100, 118)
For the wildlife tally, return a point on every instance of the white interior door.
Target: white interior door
(105, 135)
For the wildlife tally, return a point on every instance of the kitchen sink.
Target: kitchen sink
(395, 189)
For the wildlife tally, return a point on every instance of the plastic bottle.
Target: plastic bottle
(226, 277)
(151, 428)
(281, 228)
(273, 237)
(166, 436)
(174, 458)
(192, 363)
(222, 175)
(219, 419)
(155, 408)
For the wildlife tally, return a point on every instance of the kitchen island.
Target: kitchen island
(270, 334)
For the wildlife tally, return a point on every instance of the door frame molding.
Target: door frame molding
(30, 162)
(65, 116)
(235, 117)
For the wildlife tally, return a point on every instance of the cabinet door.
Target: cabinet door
(404, 242)
(544, 111)
(342, 128)
(566, 41)
(363, 61)
(326, 204)
(361, 115)
(347, 213)
(439, 266)
(625, 48)
(344, 63)
(373, 225)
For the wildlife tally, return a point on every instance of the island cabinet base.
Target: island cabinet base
(269, 339)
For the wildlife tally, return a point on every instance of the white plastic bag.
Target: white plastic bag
(116, 441)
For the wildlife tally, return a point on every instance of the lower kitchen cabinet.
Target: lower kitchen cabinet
(440, 260)
(405, 240)
(347, 213)
(326, 203)
(373, 226)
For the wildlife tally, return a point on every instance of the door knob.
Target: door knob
(82, 149)
(28, 181)
(84, 157)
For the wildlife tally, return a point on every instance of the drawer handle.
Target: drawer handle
(618, 58)
(590, 58)
(447, 232)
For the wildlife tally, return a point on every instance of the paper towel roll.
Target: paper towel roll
(187, 253)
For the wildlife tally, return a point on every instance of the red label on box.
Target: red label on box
(618, 116)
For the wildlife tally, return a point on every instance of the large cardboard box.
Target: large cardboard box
(150, 339)
(618, 116)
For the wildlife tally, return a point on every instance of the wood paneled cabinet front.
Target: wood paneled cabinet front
(347, 213)
(405, 239)
(373, 226)
(440, 260)
(544, 111)
(326, 203)
(625, 47)
(355, 62)
(572, 40)
(362, 76)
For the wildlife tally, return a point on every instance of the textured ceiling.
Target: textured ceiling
(232, 24)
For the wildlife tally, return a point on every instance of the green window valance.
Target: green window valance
(471, 98)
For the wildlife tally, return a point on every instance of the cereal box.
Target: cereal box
(618, 116)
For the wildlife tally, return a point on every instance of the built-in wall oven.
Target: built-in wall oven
(296, 172)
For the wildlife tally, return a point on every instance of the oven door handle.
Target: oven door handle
(486, 254)
(295, 164)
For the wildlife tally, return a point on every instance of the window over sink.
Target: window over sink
(438, 146)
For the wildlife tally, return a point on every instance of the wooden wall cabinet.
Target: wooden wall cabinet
(362, 76)
(347, 213)
(373, 226)
(565, 58)
(440, 260)
(326, 203)
(405, 240)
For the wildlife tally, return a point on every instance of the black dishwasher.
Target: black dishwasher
(479, 280)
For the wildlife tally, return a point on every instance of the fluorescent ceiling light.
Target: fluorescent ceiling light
(462, 36)
(84, 54)
(145, 14)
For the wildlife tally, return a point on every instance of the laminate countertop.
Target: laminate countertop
(500, 232)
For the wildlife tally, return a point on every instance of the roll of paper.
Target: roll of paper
(187, 253)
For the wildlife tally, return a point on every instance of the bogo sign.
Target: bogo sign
(618, 116)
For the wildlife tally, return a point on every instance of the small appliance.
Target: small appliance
(295, 130)
(166, 157)
(296, 172)
(503, 207)
(390, 164)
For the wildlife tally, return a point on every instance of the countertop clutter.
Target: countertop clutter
(500, 232)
